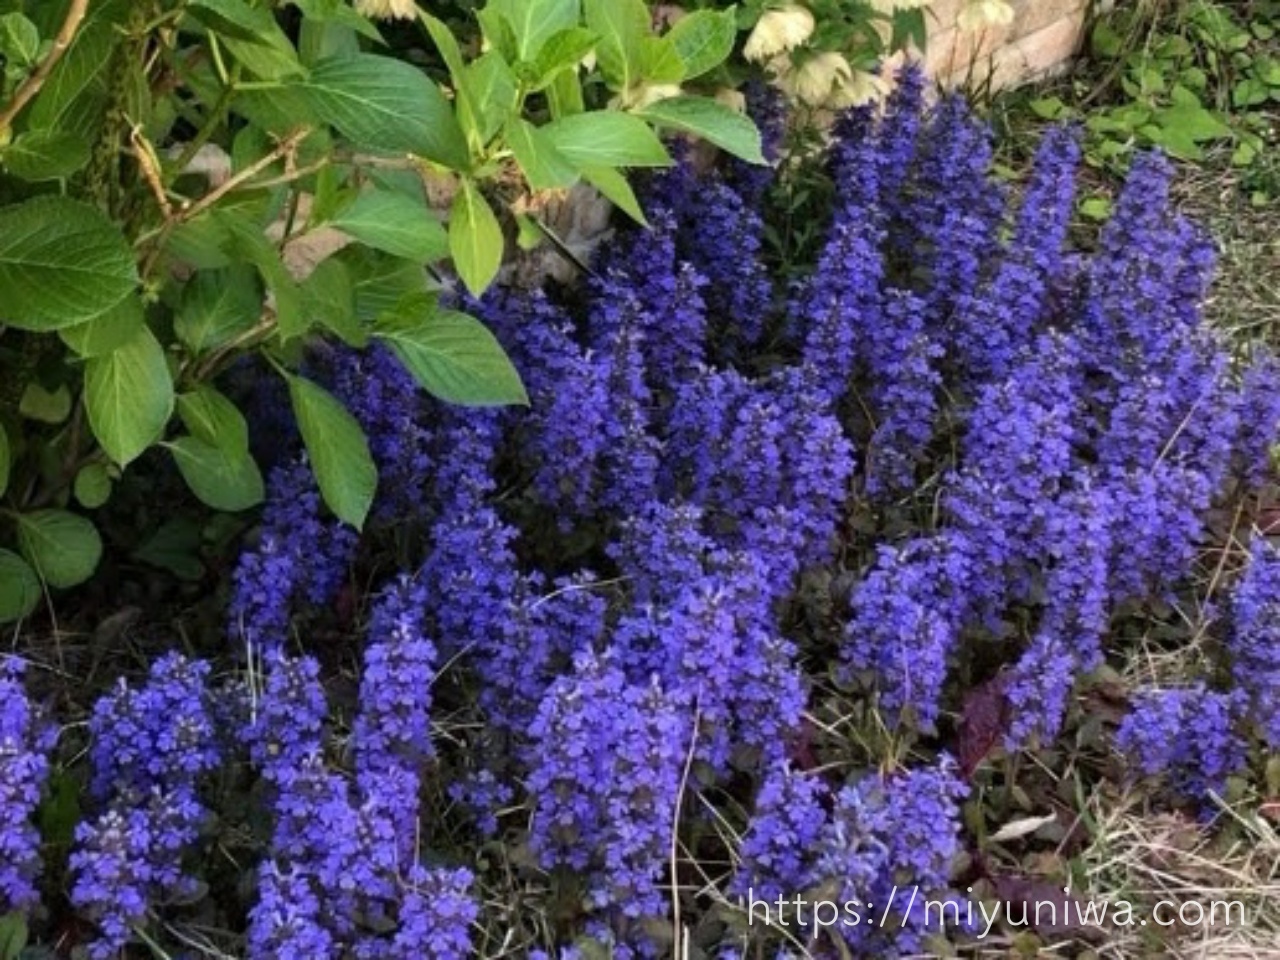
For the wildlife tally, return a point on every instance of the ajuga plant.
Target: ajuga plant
(688, 642)
(189, 184)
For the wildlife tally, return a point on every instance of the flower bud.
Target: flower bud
(815, 80)
(778, 31)
(387, 9)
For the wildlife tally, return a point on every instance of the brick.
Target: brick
(1038, 53)
(1032, 16)
(957, 51)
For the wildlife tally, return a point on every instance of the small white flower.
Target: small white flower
(814, 81)
(979, 14)
(637, 98)
(387, 9)
(778, 31)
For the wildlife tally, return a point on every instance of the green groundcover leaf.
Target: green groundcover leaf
(128, 396)
(62, 547)
(451, 354)
(93, 486)
(61, 263)
(338, 450)
(19, 587)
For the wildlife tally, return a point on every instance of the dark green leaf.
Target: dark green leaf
(6, 461)
(217, 306)
(93, 486)
(75, 95)
(329, 298)
(45, 155)
(475, 238)
(128, 395)
(452, 355)
(606, 139)
(61, 263)
(338, 12)
(174, 547)
(252, 244)
(338, 451)
(19, 40)
(252, 35)
(396, 223)
(13, 933)
(491, 90)
(63, 548)
(19, 587)
(386, 105)
(704, 39)
(710, 120)
(45, 406)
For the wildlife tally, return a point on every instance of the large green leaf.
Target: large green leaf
(534, 21)
(396, 223)
(606, 139)
(386, 105)
(61, 263)
(338, 451)
(19, 40)
(562, 51)
(329, 297)
(622, 26)
(491, 90)
(704, 39)
(75, 95)
(252, 244)
(451, 354)
(217, 306)
(45, 155)
(128, 396)
(615, 188)
(710, 120)
(475, 238)
(252, 35)
(338, 13)
(108, 331)
(63, 548)
(19, 587)
(222, 478)
(545, 167)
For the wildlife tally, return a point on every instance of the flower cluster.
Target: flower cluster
(26, 742)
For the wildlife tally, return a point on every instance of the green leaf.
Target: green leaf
(19, 40)
(452, 355)
(45, 406)
(386, 105)
(92, 486)
(475, 238)
(534, 21)
(660, 62)
(340, 13)
(61, 263)
(105, 333)
(1096, 208)
(45, 155)
(491, 93)
(544, 166)
(380, 280)
(214, 419)
(397, 224)
(329, 298)
(6, 460)
(562, 51)
(222, 478)
(338, 451)
(19, 587)
(175, 547)
(75, 95)
(704, 39)
(252, 35)
(128, 396)
(615, 188)
(13, 926)
(217, 306)
(606, 139)
(63, 548)
(252, 244)
(710, 120)
(621, 25)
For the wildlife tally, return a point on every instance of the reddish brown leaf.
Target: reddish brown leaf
(983, 722)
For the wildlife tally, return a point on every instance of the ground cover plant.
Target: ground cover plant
(809, 570)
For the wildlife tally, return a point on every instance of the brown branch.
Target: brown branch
(31, 86)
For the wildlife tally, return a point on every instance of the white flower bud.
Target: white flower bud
(859, 89)
(778, 31)
(815, 80)
(387, 9)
